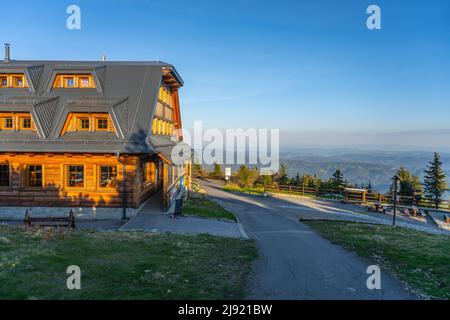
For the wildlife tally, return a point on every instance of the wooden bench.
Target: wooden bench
(376, 207)
(67, 222)
(422, 213)
(387, 208)
(446, 218)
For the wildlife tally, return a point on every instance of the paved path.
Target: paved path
(312, 208)
(152, 219)
(295, 262)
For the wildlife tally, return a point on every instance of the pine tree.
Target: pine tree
(297, 179)
(282, 176)
(418, 190)
(417, 185)
(370, 187)
(434, 181)
(338, 179)
(406, 182)
(265, 180)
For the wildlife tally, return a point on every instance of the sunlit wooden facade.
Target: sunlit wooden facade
(91, 134)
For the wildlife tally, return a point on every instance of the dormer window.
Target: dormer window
(88, 122)
(18, 81)
(16, 121)
(84, 82)
(83, 124)
(3, 81)
(101, 124)
(25, 123)
(13, 81)
(8, 123)
(71, 81)
(68, 82)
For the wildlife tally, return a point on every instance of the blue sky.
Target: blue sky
(301, 66)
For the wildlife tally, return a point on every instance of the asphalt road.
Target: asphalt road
(295, 262)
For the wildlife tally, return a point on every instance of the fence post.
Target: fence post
(27, 219)
(71, 219)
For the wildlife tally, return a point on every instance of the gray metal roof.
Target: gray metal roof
(128, 91)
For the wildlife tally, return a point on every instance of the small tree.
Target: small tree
(308, 181)
(338, 180)
(217, 171)
(265, 180)
(434, 181)
(406, 182)
(418, 190)
(197, 170)
(246, 177)
(370, 187)
(297, 180)
(282, 176)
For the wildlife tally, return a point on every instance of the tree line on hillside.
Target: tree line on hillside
(433, 186)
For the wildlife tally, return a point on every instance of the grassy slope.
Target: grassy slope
(207, 209)
(122, 265)
(419, 258)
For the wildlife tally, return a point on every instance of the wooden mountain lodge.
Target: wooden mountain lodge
(89, 134)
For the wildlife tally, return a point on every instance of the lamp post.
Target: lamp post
(396, 182)
(124, 186)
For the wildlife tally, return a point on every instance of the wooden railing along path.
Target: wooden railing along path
(355, 197)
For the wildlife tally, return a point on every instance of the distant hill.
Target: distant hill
(359, 167)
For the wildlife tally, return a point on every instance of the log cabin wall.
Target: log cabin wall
(55, 190)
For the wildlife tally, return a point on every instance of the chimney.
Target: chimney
(7, 52)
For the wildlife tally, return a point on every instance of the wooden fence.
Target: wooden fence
(357, 198)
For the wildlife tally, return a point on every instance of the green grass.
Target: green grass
(309, 195)
(420, 259)
(247, 190)
(121, 265)
(260, 191)
(206, 209)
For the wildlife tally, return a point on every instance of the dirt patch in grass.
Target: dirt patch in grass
(120, 265)
(418, 258)
(207, 209)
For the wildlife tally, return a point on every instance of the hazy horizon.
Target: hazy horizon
(315, 67)
(368, 140)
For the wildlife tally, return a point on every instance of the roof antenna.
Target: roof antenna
(7, 53)
(103, 58)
